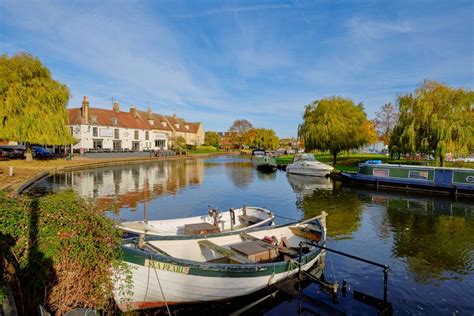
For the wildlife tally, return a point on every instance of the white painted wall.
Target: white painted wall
(84, 133)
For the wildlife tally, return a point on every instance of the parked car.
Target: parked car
(12, 152)
(40, 153)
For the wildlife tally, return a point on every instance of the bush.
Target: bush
(207, 148)
(57, 251)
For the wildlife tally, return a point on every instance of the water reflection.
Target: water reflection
(435, 235)
(307, 185)
(124, 186)
(240, 173)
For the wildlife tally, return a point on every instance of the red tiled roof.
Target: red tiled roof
(127, 120)
(105, 117)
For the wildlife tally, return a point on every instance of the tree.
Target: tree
(32, 104)
(262, 138)
(385, 120)
(212, 139)
(334, 124)
(239, 130)
(435, 119)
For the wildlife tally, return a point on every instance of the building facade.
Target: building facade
(115, 130)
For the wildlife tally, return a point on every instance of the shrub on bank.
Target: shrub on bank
(57, 251)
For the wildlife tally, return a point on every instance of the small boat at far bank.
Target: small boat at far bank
(458, 181)
(193, 269)
(262, 161)
(246, 217)
(306, 164)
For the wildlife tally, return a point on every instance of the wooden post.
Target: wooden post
(10, 171)
(144, 202)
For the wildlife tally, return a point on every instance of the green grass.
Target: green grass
(202, 152)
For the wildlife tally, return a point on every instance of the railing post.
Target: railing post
(385, 283)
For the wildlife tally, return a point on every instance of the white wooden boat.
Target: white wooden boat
(189, 269)
(306, 164)
(246, 217)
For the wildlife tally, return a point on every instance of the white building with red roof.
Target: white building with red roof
(115, 130)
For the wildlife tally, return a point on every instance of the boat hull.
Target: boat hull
(409, 184)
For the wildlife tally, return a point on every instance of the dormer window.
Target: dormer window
(163, 123)
(114, 121)
(151, 122)
(177, 126)
(186, 126)
(93, 119)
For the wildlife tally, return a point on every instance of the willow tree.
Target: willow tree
(335, 124)
(435, 119)
(262, 138)
(32, 104)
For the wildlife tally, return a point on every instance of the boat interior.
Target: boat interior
(269, 245)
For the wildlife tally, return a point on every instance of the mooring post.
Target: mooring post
(385, 283)
(300, 259)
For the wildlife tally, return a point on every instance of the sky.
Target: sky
(218, 61)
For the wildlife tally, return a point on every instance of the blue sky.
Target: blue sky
(217, 61)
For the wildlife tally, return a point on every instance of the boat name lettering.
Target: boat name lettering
(470, 178)
(166, 266)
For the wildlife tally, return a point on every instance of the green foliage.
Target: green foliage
(262, 138)
(60, 253)
(435, 119)
(238, 132)
(212, 139)
(334, 124)
(32, 104)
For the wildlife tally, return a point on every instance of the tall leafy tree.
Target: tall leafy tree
(385, 120)
(334, 124)
(435, 119)
(238, 131)
(212, 139)
(32, 103)
(262, 138)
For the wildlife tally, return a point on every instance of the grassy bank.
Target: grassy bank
(349, 162)
(57, 251)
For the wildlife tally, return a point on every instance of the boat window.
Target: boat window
(380, 172)
(418, 175)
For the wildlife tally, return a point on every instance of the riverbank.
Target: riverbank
(349, 162)
(25, 172)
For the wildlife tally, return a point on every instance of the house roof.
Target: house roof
(128, 120)
(106, 118)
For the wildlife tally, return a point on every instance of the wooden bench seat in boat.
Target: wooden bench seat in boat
(226, 252)
(200, 229)
(249, 219)
(256, 250)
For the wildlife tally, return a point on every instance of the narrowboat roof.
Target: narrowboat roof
(386, 165)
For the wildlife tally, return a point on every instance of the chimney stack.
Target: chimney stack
(133, 111)
(85, 110)
(150, 113)
(116, 106)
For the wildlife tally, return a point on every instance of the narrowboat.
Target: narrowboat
(244, 218)
(262, 161)
(457, 181)
(169, 270)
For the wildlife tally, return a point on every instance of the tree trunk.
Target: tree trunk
(28, 155)
(441, 160)
(334, 158)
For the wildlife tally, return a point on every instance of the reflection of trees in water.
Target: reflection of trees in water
(435, 234)
(344, 210)
(432, 243)
(240, 173)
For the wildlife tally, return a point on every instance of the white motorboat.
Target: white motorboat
(246, 217)
(306, 164)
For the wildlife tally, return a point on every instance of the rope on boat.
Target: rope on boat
(161, 289)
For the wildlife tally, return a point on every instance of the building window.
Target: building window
(94, 131)
(136, 135)
(147, 135)
(160, 143)
(114, 121)
(116, 133)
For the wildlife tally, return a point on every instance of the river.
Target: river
(427, 240)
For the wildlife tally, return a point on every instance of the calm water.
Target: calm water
(428, 241)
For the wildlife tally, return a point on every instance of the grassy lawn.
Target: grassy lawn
(203, 152)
